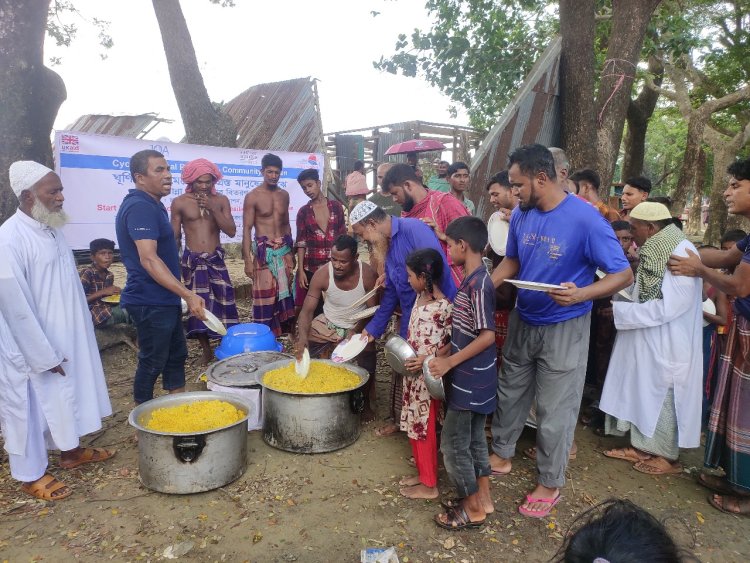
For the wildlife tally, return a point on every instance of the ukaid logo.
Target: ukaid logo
(69, 143)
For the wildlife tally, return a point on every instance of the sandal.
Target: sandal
(88, 455)
(539, 513)
(741, 504)
(665, 467)
(458, 519)
(452, 503)
(45, 488)
(626, 454)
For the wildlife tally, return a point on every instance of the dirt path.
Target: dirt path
(326, 507)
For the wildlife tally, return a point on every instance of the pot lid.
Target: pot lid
(242, 370)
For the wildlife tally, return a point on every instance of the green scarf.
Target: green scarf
(654, 255)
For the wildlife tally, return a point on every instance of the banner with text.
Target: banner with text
(95, 173)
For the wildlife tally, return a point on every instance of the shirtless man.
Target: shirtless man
(269, 260)
(203, 214)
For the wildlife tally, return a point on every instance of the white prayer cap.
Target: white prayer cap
(24, 174)
(361, 210)
(650, 211)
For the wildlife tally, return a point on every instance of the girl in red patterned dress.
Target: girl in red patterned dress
(429, 333)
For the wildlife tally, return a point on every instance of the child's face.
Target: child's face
(102, 259)
(417, 283)
(456, 251)
(626, 240)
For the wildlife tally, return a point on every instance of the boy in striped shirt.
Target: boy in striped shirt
(471, 381)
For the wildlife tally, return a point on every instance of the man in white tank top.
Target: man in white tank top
(340, 283)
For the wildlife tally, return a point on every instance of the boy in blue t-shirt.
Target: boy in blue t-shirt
(472, 382)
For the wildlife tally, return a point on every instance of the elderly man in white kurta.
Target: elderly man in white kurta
(52, 383)
(653, 385)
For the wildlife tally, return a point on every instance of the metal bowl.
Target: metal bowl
(397, 351)
(434, 385)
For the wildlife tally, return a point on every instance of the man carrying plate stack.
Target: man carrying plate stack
(559, 240)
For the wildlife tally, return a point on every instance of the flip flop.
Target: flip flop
(496, 473)
(539, 513)
(45, 488)
(458, 520)
(648, 469)
(625, 454)
(720, 505)
(531, 454)
(89, 455)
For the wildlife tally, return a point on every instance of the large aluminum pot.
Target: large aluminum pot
(190, 463)
(312, 422)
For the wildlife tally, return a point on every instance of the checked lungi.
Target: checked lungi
(728, 438)
(207, 275)
(273, 302)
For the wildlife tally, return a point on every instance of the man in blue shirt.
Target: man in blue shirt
(153, 290)
(394, 238)
(554, 238)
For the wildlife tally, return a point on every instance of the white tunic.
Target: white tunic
(45, 321)
(658, 347)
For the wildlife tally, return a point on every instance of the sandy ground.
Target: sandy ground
(327, 507)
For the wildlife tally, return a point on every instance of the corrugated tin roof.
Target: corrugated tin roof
(282, 116)
(532, 117)
(121, 125)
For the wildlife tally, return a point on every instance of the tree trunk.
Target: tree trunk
(204, 124)
(725, 150)
(639, 113)
(630, 19)
(30, 95)
(694, 222)
(578, 28)
(687, 179)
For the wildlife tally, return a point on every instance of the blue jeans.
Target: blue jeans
(465, 451)
(162, 349)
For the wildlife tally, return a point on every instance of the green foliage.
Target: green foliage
(477, 51)
(665, 147)
(64, 31)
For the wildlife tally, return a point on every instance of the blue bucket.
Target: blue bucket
(247, 337)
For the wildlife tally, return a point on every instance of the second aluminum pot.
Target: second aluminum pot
(312, 422)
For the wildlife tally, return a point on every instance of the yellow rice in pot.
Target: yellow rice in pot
(322, 378)
(197, 416)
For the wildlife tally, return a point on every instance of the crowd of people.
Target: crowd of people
(618, 326)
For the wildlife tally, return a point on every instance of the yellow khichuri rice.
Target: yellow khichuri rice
(197, 416)
(322, 378)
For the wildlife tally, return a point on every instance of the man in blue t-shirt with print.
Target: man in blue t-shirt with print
(153, 289)
(555, 238)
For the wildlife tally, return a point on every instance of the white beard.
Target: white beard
(54, 219)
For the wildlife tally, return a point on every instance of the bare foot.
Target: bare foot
(409, 481)
(500, 466)
(420, 491)
(387, 430)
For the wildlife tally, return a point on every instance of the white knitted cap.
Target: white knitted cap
(24, 174)
(361, 210)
